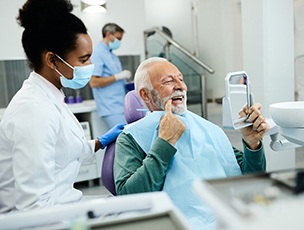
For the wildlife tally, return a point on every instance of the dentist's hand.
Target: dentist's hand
(253, 134)
(125, 74)
(111, 135)
(170, 127)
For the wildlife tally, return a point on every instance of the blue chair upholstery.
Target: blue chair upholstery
(134, 109)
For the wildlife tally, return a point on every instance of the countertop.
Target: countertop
(83, 107)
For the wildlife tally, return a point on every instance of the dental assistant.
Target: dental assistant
(108, 82)
(42, 145)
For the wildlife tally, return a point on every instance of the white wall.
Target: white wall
(174, 14)
(10, 39)
(130, 18)
(221, 41)
(268, 59)
(130, 15)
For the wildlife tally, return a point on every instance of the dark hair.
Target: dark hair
(112, 28)
(48, 25)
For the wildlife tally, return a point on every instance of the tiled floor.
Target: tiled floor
(214, 112)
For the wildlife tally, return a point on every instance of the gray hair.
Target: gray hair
(112, 28)
(142, 77)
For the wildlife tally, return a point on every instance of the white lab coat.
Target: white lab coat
(42, 146)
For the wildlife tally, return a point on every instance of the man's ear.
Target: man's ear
(108, 34)
(145, 95)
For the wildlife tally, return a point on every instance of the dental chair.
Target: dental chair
(134, 109)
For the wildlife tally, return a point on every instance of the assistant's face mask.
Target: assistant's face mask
(115, 44)
(81, 75)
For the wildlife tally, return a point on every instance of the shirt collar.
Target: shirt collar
(58, 93)
(106, 46)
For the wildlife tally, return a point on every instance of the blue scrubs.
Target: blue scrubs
(109, 99)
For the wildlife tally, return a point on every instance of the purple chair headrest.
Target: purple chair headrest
(107, 176)
(134, 108)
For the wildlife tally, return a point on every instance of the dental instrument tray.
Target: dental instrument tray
(244, 194)
(272, 200)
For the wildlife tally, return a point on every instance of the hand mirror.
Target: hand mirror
(238, 94)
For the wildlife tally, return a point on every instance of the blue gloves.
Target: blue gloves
(111, 135)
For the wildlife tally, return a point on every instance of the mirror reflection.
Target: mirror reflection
(239, 79)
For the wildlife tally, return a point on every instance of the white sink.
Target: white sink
(288, 114)
(290, 117)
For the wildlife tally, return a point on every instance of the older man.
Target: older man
(172, 146)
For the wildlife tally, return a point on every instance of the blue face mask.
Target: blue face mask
(81, 75)
(115, 44)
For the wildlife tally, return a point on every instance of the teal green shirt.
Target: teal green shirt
(136, 172)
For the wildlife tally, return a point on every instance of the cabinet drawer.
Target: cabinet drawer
(87, 172)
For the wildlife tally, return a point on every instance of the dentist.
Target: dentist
(42, 145)
(109, 80)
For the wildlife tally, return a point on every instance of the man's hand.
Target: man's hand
(170, 127)
(253, 134)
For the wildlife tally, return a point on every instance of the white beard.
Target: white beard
(161, 102)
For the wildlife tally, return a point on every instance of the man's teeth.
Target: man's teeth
(177, 98)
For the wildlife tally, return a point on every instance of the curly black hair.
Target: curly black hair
(48, 25)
